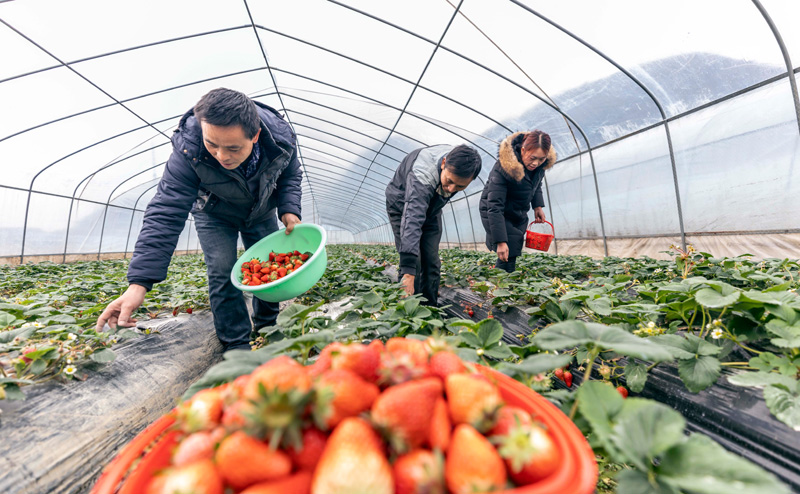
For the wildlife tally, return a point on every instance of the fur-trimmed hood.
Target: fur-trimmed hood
(508, 158)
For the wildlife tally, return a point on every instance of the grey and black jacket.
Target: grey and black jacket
(510, 192)
(415, 199)
(194, 181)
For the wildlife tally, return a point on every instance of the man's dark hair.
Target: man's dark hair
(226, 108)
(464, 161)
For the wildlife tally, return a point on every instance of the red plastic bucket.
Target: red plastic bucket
(539, 241)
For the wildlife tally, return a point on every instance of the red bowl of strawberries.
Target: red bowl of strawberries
(407, 416)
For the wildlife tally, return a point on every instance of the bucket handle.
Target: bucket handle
(551, 226)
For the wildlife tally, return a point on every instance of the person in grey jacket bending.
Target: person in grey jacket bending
(424, 182)
(233, 165)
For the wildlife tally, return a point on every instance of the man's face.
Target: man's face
(451, 182)
(228, 145)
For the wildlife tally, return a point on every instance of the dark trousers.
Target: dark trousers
(508, 266)
(218, 238)
(429, 265)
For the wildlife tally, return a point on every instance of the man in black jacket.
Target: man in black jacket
(424, 182)
(233, 164)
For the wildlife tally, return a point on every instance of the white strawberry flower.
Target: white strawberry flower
(717, 333)
(70, 370)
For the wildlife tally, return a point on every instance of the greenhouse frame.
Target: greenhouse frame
(672, 273)
(658, 124)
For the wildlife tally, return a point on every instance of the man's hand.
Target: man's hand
(408, 284)
(118, 312)
(502, 251)
(290, 219)
(539, 215)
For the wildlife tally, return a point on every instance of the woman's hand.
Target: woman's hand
(502, 251)
(539, 215)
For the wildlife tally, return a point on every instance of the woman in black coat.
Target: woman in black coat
(514, 186)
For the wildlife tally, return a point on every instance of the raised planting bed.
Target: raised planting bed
(735, 417)
(59, 438)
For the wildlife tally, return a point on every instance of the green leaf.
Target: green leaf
(761, 379)
(61, 318)
(410, 306)
(536, 364)
(6, 319)
(785, 405)
(471, 339)
(490, 331)
(701, 466)
(789, 336)
(635, 376)
(636, 482)
(645, 429)
(570, 334)
(600, 306)
(599, 404)
(13, 392)
(103, 356)
(38, 367)
(22, 333)
(563, 335)
(699, 373)
(710, 298)
(499, 352)
(676, 345)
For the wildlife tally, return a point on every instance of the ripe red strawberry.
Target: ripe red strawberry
(282, 373)
(509, 417)
(189, 310)
(233, 418)
(200, 477)
(358, 358)
(568, 378)
(473, 465)
(403, 412)
(529, 452)
(202, 412)
(271, 256)
(341, 393)
(473, 400)
(308, 455)
(304, 257)
(470, 312)
(623, 391)
(443, 364)
(404, 359)
(174, 312)
(419, 472)
(353, 462)
(441, 427)
(322, 363)
(281, 272)
(377, 346)
(194, 447)
(297, 483)
(25, 351)
(244, 460)
(559, 373)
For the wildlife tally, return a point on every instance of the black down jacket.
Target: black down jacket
(510, 192)
(194, 181)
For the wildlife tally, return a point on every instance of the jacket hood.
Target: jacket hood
(508, 158)
(189, 136)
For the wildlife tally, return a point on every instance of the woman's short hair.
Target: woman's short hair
(464, 161)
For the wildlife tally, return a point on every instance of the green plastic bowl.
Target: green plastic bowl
(306, 237)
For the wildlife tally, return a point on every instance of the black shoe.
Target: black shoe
(236, 346)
